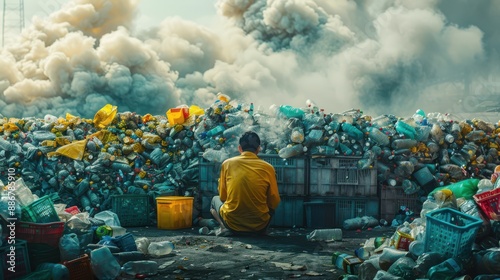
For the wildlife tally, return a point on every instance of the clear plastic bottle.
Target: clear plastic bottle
(329, 234)
(403, 144)
(378, 136)
(291, 151)
(215, 155)
(297, 135)
(475, 135)
(142, 244)
(143, 267)
(160, 248)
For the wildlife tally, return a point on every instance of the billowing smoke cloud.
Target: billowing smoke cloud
(392, 56)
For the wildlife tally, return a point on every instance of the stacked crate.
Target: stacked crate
(339, 190)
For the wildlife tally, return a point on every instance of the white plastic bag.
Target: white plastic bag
(108, 217)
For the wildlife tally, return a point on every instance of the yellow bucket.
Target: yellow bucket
(174, 212)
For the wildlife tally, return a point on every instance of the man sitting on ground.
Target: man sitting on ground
(248, 192)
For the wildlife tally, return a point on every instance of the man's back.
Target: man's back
(248, 186)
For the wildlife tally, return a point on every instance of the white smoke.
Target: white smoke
(388, 56)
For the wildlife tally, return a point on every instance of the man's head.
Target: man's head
(250, 142)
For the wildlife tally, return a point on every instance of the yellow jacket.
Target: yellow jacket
(248, 188)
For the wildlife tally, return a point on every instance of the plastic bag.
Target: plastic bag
(108, 217)
(403, 267)
(465, 188)
(105, 116)
(104, 264)
(69, 247)
(74, 150)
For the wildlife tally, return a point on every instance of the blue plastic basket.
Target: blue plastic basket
(451, 232)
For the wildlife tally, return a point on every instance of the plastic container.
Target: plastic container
(331, 234)
(177, 115)
(291, 151)
(489, 202)
(40, 211)
(445, 270)
(132, 209)
(160, 248)
(104, 265)
(348, 263)
(48, 233)
(451, 232)
(143, 267)
(126, 242)
(174, 212)
(80, 268)
(21, 263)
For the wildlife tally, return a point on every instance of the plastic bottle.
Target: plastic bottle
(389, 256)
(475, 135)
(160, 248)
(334, 140)
(323, 150)
(404, 128)
(378, 136)
(143, 267)
(291, 112)
(334, 234)
(23, 194)
(59, 271)
(291, 151)
(345, 150)
(437, 134)
(352, 131)
(459, 160)
(348, 263)
(215, 155)
(410, 187)
(297, 135)
(142, 244)
(403, 144)
(446, 270)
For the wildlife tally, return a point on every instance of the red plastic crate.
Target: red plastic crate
(79, 269)
(73, 210)
(489, 202)
(48, 233)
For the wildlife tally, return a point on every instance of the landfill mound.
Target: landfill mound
(82, 162)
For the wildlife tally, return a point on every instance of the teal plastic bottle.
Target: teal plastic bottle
(446, 270)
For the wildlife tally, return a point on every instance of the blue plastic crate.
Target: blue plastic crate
(451, 232)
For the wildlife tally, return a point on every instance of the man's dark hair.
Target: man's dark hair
(250, 141)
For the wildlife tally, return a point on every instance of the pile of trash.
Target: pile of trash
(82, 162)
(456, 236)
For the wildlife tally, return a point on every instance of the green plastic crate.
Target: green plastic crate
(132, 209)
(40, 211)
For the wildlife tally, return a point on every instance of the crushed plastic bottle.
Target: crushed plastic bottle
(160, 248)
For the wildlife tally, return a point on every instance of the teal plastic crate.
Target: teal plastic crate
(451, 232)
(290, 212)
(20, 259)
(132, 209)
(340, 176)
(330, 212)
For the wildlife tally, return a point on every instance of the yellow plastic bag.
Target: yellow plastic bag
(74, 150)
(105, 116)
(195, 110)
